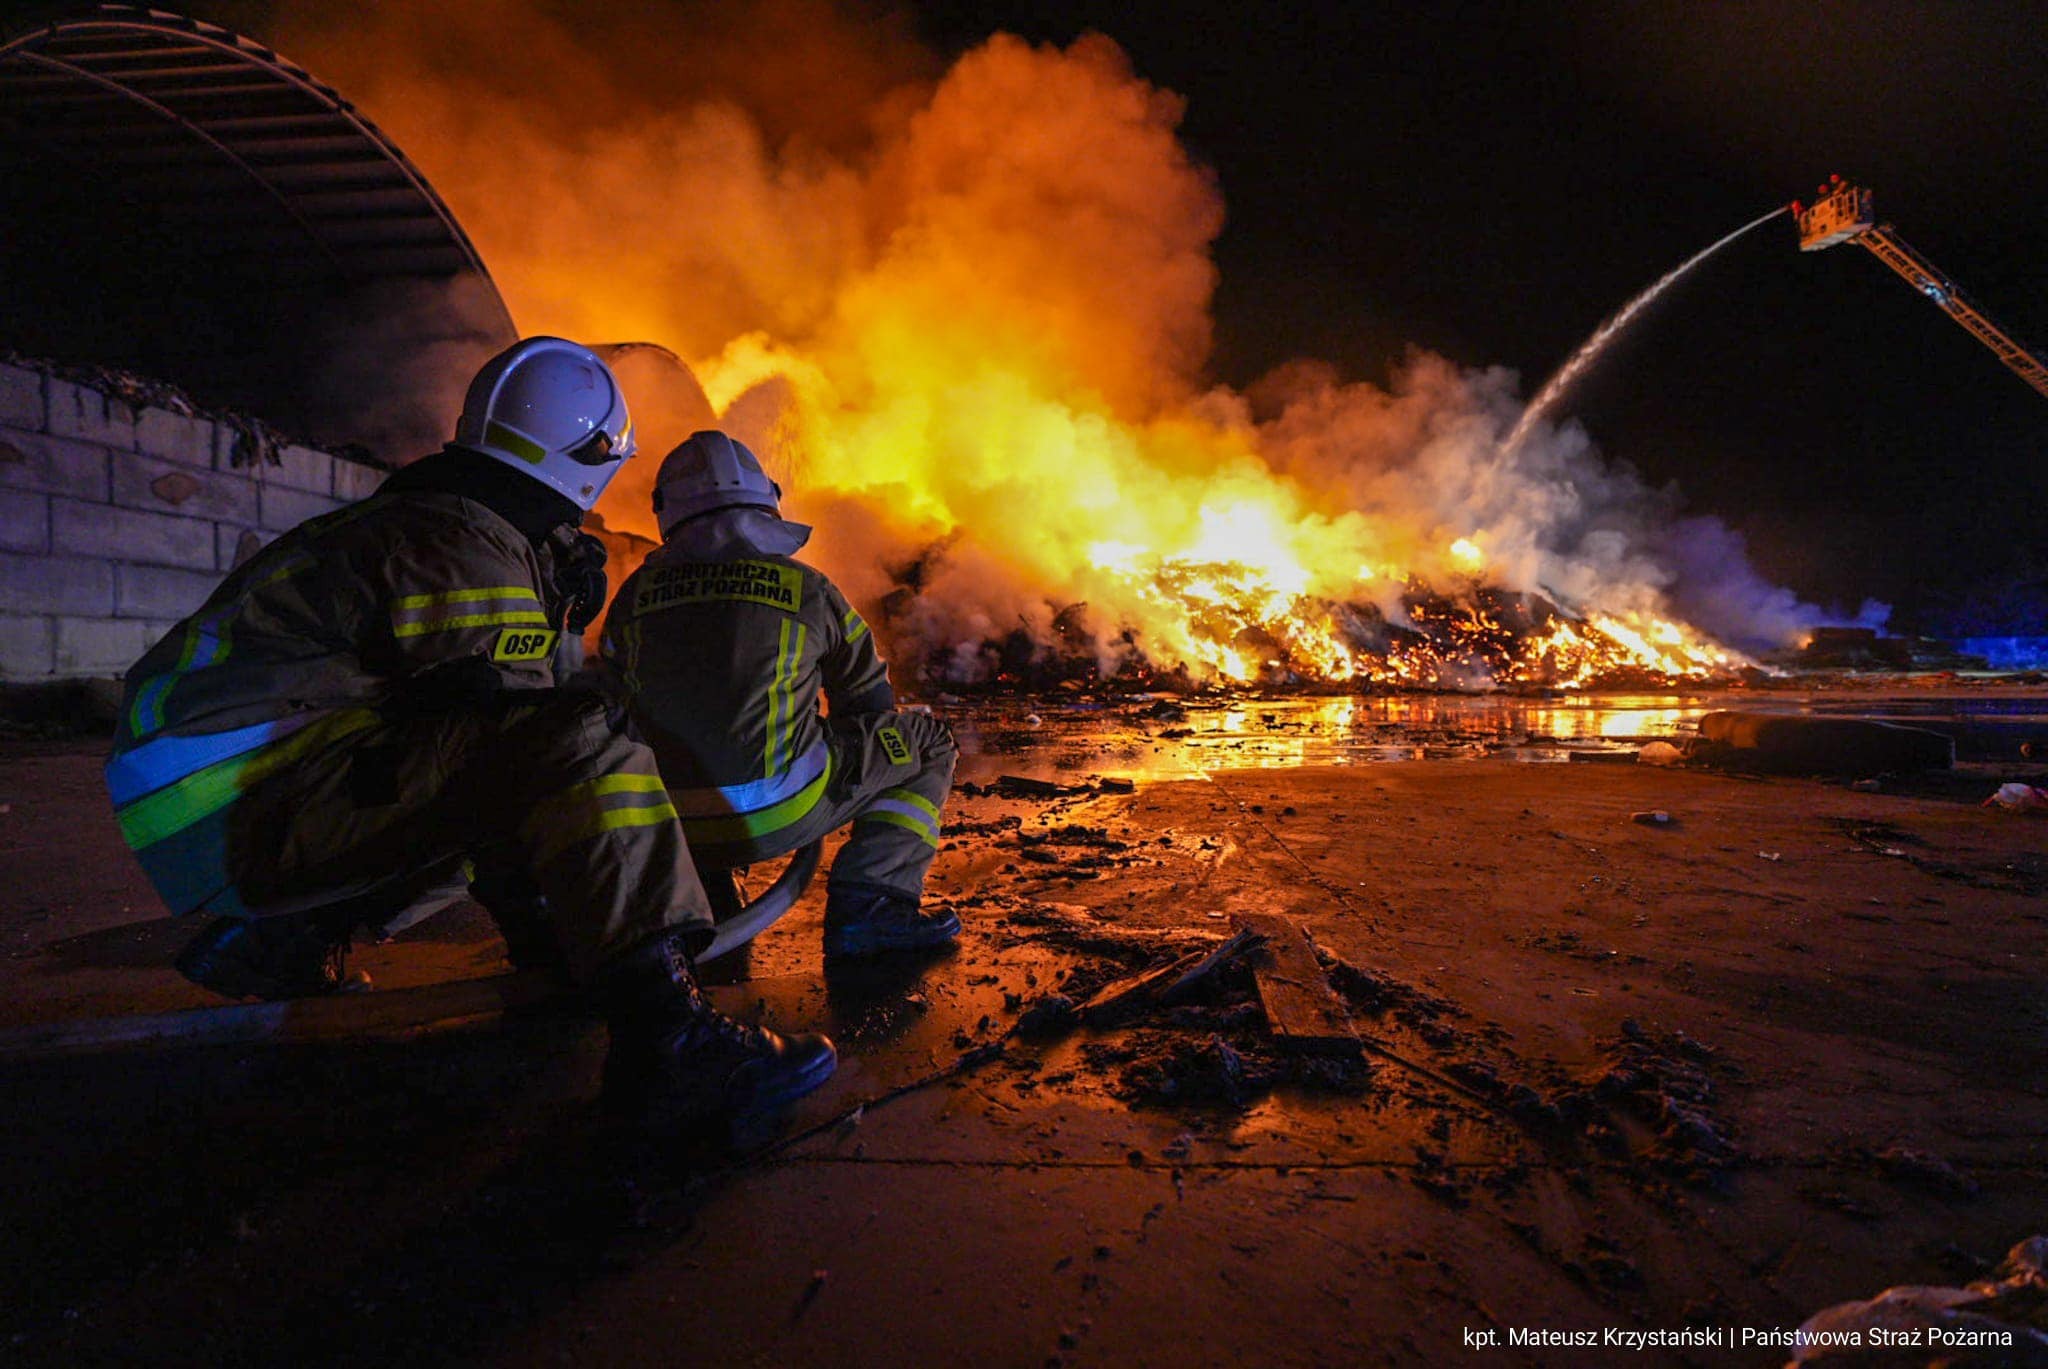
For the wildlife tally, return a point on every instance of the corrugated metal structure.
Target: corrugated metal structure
(180, 199)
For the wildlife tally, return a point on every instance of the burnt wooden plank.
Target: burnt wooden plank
(1229, 949)
(1123, 996)
(1163, 985)
(1301, 1007)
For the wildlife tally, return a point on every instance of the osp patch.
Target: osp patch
(893, 746)
(523, 644)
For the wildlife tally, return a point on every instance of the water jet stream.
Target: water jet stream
(1553, 389)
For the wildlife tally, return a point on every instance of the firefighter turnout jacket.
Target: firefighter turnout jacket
(372, 693)
(725, 663)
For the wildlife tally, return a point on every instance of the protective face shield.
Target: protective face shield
(551, 409)
(709, 472)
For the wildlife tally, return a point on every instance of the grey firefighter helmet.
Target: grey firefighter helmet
(551, 409)
(708, 472)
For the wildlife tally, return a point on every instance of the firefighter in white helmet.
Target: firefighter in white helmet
(370, 702)
(725, 643)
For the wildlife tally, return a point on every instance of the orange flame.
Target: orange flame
(965, 320)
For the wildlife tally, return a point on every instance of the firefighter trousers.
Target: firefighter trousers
(386, 811)
(889, 776)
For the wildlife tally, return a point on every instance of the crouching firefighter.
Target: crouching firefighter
(724, 643)
(369, 702)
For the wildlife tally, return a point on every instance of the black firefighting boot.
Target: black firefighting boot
(292, 956)
(678, 1067)
(865, 920)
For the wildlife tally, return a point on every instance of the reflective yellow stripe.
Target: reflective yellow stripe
(529, 617)
(465, 596)
(746, 826)
(586, 810)
(914, 800)
(770, 758)
(175, 807)
(216, 624)
(148, 713)
(626, 784)
(796, 660)
(611, 820)
(907, 824)
(521, 446)
(856, 626)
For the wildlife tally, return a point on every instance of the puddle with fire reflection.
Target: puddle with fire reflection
(1164, 738)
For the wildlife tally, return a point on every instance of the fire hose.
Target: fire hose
(751, 919)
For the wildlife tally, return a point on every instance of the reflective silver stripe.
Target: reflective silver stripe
(924, 820)
(507, 605)
(723, 800)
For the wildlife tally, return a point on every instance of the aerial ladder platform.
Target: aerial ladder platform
(1847, 213)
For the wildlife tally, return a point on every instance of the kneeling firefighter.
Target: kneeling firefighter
(724, 644)
(369, 703)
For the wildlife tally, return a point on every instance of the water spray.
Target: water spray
(1554, 389)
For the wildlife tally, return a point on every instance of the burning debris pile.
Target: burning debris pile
(1487, 638)
(962, 311)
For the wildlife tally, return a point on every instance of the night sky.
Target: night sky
(1492, 181)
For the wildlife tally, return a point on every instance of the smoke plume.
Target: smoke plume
(962, 310)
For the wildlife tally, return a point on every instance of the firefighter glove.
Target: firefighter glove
(580, 580)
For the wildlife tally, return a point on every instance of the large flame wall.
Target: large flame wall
(963, 309)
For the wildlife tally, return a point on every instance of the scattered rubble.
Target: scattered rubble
(1660, 1081)
(1160, 1068)
(962, 827)
(1185, 1029)
(1050, 1016)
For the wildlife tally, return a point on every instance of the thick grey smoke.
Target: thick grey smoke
(1554, 516)
(1714, 588)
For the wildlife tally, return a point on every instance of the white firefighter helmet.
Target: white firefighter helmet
(551, 409)
(708, 472)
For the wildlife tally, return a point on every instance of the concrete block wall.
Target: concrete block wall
(115, 522)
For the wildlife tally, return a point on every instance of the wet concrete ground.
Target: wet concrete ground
(1785, 1051)
(1159, 736)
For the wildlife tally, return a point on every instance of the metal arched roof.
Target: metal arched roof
(173, 152)
(227, 131)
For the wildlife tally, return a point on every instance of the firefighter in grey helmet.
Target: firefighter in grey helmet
(370, 702)
(725, 644)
